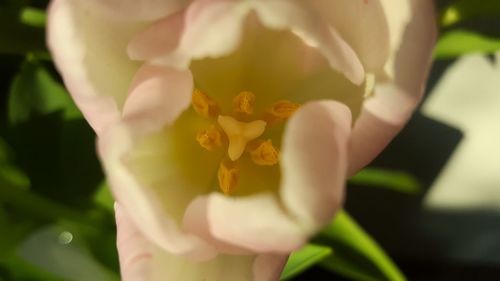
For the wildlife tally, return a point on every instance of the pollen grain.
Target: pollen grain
(204, 105)
(210, 139)
(228, 176)
(280, 111)
(244, 103)
(264, 153)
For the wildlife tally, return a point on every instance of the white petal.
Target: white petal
(196, 221)
(413, 31)
(268, 267)
(214, 28)
(90, 53)
(141, 260)
(362, 24)
(314, 162)
(158, 96)
(381, 118)
(157, 39)
(221, 268)
(127, 10)
(256, 223)
(144, 202)
(295, 16)
(134, 250)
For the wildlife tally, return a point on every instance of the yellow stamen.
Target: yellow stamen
(264, 153)
(228, 176)
(209, 139)
(280, 111)
(204, 105)
(244, 102)
(240, 133)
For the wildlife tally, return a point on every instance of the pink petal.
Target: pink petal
(305, 23)
(133, 10)
(362, 24)
(134, 250)
(141, 202)
(89, 52)
(413, 30)
(222, 268)
(157, 39)
(268, 267)
(158, 96)
(256, 223)
(413, 33)
(213, 28)
(141, 260)
(196, 221)
(381, 118)
(314, 162)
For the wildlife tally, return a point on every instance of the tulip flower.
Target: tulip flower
(227, 128)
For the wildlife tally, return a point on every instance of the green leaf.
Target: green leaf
(17, 38)
(59, 157)
(104, 198)
(356, 255)
(13, 234)
(303, 259)
(13, 228)
(467, 9)
(36, 205)
(68, 246)
(460, 42)
(8, 172)
(54, 145)
(35, 92)
(394, 180)
(19, 269)
(33, 17)
(3, 216)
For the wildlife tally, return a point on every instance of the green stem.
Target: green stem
(38, 205)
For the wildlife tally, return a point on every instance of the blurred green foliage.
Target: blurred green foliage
(33, 17)
(55, 206)
(468, 26)
(49, 172)
(304, 258)
(16, 37)
(458, 42)
(356, 254)
(394, 180)
(463, 10)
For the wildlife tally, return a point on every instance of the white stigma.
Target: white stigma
(240, 133)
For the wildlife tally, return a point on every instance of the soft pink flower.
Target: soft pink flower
(132, 67)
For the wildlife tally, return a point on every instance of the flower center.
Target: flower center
(239, 136)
